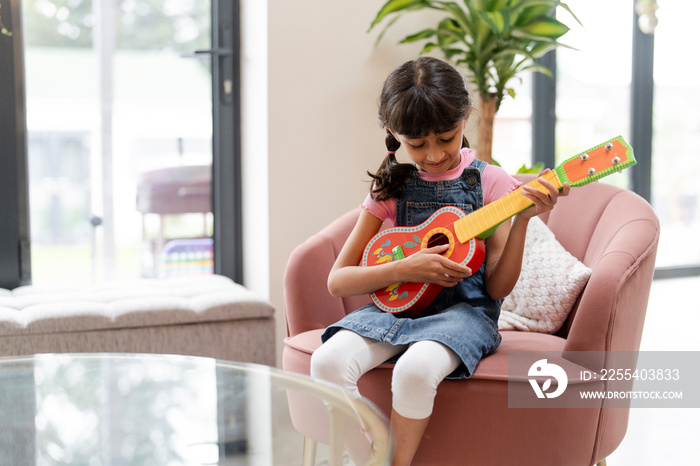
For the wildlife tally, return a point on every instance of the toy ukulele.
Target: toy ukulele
(465, 232)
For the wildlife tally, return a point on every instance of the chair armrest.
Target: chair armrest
(308, 304)
(622, 254)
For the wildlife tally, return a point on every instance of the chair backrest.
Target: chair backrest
(611, 230)
(308, 304)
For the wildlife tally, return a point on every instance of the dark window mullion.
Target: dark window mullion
(544, 114)
(15, 263)
(226, 166)
(642, 103)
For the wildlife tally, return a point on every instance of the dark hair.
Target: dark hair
(420, 97)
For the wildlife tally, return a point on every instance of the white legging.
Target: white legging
(346, 356)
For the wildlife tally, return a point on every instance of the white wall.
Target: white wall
(324, 78)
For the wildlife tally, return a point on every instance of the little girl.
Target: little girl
(424, 107)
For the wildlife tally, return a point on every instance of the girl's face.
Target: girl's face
(435, 153)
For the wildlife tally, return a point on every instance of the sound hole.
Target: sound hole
(438, 239)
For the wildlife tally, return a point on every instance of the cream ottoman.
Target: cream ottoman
(207, 316)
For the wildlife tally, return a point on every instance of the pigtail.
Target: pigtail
(390, 178)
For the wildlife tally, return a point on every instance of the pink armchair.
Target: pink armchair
(611, 230)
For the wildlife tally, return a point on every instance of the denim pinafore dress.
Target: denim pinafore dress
(462, 317)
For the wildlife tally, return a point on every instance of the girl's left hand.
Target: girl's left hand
(542, 202)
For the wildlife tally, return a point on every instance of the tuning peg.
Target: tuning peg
(584, 157)
(609, 146)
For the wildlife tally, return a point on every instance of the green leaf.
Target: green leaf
(539, 68)
(541, 48)
(525, 11)
(495, 21)
(545, 27)
(508, 52)
(428, 47)
(560, 44)
(495, 5)
(448, 33)
(568, 8)
(473, 9)
(511, 92)
(395, 6)
(388, 25)
(424, 34)
(460, 17)
(450, 53)
(525, 36)
(536, 169)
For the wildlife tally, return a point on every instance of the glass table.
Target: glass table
(147, 409)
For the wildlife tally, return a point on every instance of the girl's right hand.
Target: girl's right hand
(429, 265)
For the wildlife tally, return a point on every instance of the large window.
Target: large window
(605, 88)
(132, 143)
(119, 129)
(512, 139)
(676, 134)
(593, 81)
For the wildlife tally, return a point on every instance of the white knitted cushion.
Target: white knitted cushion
(550, 281)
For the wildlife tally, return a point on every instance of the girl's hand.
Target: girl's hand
(429, 265)
(542, 202)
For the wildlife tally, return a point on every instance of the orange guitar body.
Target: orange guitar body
(407, 299)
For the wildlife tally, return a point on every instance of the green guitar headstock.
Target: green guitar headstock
(597, 162)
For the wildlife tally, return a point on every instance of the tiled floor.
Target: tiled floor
(666, 436)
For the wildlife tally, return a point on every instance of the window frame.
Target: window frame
(226, 164)
(15, 263)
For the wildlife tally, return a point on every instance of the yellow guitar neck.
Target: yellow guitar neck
(481, 222)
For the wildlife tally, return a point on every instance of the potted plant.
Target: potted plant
(494, 39)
